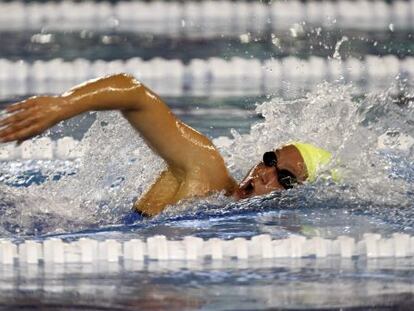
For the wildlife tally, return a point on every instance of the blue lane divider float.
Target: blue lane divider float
(86, 250)
(214, 76)
(205, 18)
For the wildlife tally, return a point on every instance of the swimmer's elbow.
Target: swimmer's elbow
(125, 80)
(133, 91)
(138, 96)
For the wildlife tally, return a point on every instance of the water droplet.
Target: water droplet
(318, 31)
(245, 38)
(296, 30)
(275, 41)
(336, 54)
(41, 38)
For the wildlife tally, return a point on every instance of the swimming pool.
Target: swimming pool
(69, 189)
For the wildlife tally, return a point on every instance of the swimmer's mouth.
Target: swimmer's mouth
(244, 191)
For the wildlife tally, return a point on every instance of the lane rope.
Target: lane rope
(205, 18)
(158, 247)
(210, 77)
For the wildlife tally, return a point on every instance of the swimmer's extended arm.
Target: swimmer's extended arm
(195, 167)
(179, 145)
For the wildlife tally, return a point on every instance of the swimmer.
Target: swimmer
(195, 168)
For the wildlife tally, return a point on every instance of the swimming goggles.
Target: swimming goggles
(286, 178)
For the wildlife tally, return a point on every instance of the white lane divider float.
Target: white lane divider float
(205, 18)
(86, 250)
(42, 148)
(214, 76)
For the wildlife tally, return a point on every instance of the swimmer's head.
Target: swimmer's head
(283, 169)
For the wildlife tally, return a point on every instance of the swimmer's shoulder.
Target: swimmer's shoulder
(205, 170)
(211, 171)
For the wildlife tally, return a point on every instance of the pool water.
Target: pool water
(285, 284)
(294, 284)
(123, 45)
(232, 123)
(92, 196)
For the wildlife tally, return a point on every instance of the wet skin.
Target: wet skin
(194, 167)
(263, 179)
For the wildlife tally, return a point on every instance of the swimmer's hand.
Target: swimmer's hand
(31, 117)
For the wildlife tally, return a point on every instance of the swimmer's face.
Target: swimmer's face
(263, 179)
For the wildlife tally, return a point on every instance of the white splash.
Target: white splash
(350, 128)
(116, 168)
(369, 137)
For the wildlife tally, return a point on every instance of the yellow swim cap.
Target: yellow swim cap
(313, 157)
